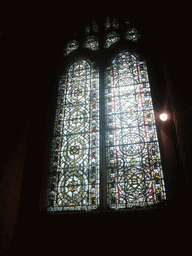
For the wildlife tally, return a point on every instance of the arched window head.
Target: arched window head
(105, 149)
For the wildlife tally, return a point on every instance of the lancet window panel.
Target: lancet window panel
(74, 172)
(134, 171)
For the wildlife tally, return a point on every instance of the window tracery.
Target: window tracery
(92, 43)
(111, 38)
(71, 46)
(134, 176)
(132, 35)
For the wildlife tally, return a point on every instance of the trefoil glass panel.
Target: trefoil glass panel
(134, 171)
(74, 172)
(92, 43)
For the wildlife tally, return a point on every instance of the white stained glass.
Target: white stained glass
(74, 173)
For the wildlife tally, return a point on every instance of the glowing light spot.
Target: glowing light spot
(163, 117)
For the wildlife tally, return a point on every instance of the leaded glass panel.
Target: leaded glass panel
(74, 172)
(92, 43)
(111, 38)
(132, 35)
(134, 172)
(71, 46)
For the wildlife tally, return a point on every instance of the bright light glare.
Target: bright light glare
(163, 117)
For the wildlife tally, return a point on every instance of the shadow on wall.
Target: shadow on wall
(10, 187)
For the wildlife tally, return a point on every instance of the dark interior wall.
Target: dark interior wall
(10, 188)
(31, 48)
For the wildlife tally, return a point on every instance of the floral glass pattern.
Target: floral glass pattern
(74, 172)
(134, 172)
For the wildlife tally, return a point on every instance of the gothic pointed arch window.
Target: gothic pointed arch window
(105, 149)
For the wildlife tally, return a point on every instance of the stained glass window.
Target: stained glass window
(74, 172)
(134, 172)
(131, 165)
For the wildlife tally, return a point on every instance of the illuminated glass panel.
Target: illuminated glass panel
(92, 43)
(74, 173)
(112, 38)
(134, 172)
(71, 46)
(132, 35)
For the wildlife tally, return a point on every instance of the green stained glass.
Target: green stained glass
(134, 172)
(74, 173)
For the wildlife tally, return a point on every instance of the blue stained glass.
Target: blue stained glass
(134, 172)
